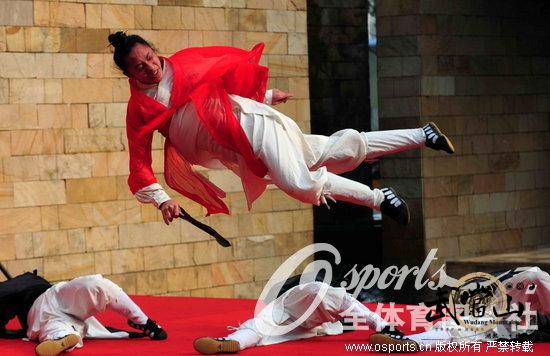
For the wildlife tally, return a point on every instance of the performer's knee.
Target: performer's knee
(107, 286)
(331, 299)
(532, 275)
(531, 279)
(308, 195)
(97, 285)
(537, 274)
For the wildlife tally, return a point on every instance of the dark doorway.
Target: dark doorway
(338, 41)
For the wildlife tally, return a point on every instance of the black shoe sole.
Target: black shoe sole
(407, 220)
(450, 149)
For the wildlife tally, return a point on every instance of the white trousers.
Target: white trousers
(265, 328)
(306, 166)
(346, 149)
(341, 152)
(517, 288)
(303, 166)
(68, 308)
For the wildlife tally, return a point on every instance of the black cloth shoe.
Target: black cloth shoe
(151, 329)
(437, 140)
(387, 337)
(395, 207)
(210, 346)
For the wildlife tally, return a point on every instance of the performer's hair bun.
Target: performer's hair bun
(123, 44)
(117, 39)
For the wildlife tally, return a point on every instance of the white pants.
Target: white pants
(68, 308)
(346, 149)
(303, 166)
(448, 331)
(306, 166)
(291, 305)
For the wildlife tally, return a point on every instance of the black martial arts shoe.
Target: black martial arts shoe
(436, 140)
(151, 329)
(395, 207)
(55, 347)
(387, 337)
(210, 346)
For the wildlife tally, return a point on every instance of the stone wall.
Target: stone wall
(481, 70)
(65, 208)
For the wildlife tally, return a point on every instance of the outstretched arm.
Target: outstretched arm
(277, 96)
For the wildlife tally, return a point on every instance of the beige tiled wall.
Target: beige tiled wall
(65, 208)
(480, 70)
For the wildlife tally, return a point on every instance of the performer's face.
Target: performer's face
(144, 64)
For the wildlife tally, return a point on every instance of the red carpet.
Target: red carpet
(187, 318)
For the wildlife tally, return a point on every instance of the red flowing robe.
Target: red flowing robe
(204, 76)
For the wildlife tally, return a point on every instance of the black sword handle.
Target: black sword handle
(209, 230)
(5, 271)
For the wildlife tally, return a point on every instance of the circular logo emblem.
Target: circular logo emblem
(476, 300)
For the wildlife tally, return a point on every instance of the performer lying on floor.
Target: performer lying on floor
(210, 104)
(325, 320)
(59, 317)
(266, 327)
(524, 286)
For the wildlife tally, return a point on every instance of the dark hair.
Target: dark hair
(123, 45)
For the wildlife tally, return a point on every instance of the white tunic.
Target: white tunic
(61, 310)
(299, 164)
(290, 306)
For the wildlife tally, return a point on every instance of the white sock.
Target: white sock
(246, 338)
(343, 189)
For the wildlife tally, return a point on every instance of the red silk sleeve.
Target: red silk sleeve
(205, 76)
(139, 147)
(248, 80)
(238, 71)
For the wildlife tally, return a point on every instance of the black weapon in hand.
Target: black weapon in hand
(209, 230)
(5, 271)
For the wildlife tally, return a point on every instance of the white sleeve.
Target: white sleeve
(153, 194)
(268, 97)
